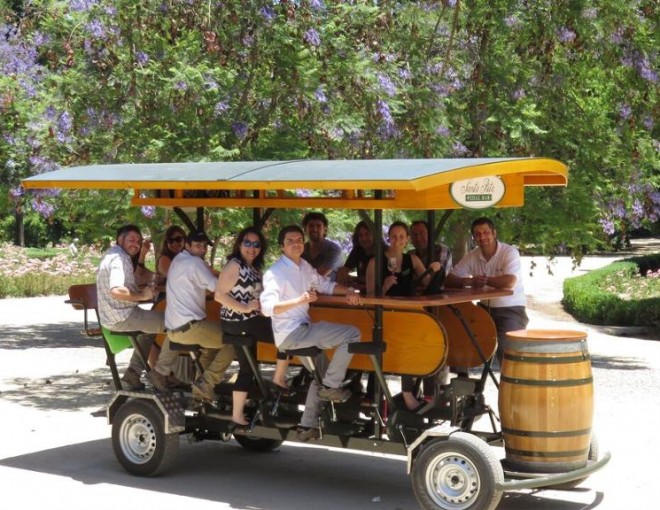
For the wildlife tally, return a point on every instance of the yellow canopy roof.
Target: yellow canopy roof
(355, 184)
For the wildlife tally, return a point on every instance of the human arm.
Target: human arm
(226, 281)
(343, 275)
(271, 297)
(508, 268)
(163, 265)
(352, 294)
(123, 293)
(461, 274)
(123, 284)
(504, 281)
(332, 256)
(423, 275)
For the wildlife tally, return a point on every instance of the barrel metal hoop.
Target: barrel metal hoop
(548, 347)
(559, 383)
(550, 360)
(548, 455)
(539, 433)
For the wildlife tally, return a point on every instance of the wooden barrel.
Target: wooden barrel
(546, 400)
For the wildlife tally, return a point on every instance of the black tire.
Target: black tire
(257, 444)
(139, 440)
(458, 473)
(593, 456)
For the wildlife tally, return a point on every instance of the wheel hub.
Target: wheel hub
(138, 439)
(453, 481)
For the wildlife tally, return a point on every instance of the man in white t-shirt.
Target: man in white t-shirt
(494, 264)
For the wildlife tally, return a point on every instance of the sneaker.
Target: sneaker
(305, 434)
(337, 395)
(158, 380)
(201, 391)
(131, 381)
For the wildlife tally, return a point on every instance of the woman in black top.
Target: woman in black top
(400, 274)
(237, 290)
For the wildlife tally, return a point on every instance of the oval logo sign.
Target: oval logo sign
(478, 193)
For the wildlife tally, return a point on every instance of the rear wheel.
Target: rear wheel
(139, 440)
(257, 444)
(458, 473)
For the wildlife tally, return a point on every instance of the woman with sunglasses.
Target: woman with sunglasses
(238, 289)
(173, 243)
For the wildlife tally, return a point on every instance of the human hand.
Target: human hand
(435, 266)
(481, 280)
(389, 282)
(147, 293)
(253, 305)
(146, 246)
(353, 296)
(309, 297)
(342, 275)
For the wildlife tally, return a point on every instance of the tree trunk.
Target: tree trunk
(19, 229)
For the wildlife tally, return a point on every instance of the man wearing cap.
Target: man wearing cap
(188, 280)
(119, 296)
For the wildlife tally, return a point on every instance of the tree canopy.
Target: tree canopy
(105, 81)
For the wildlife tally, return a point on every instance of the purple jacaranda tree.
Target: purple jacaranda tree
(100, 81)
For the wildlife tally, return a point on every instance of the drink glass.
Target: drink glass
(391, 265)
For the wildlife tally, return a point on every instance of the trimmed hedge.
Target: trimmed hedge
(594, 299)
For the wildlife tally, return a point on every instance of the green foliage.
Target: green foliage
(150, 81)
(625, 293)
(39, 284)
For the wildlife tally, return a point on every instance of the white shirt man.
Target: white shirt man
(188, 280)
(494, 264)
(290, 285)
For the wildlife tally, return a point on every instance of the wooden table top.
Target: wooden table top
(447, 297)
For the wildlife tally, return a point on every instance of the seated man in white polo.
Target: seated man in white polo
(188, 280)
(494, 264)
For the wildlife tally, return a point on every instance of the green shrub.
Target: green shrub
(617, 295)
(40, 284)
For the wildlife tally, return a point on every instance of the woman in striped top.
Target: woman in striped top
(238, 289)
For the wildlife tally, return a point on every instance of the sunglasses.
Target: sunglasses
(175, 240)
(251, 244)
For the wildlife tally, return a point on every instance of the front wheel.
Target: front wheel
(458, 473)
(139, 440)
